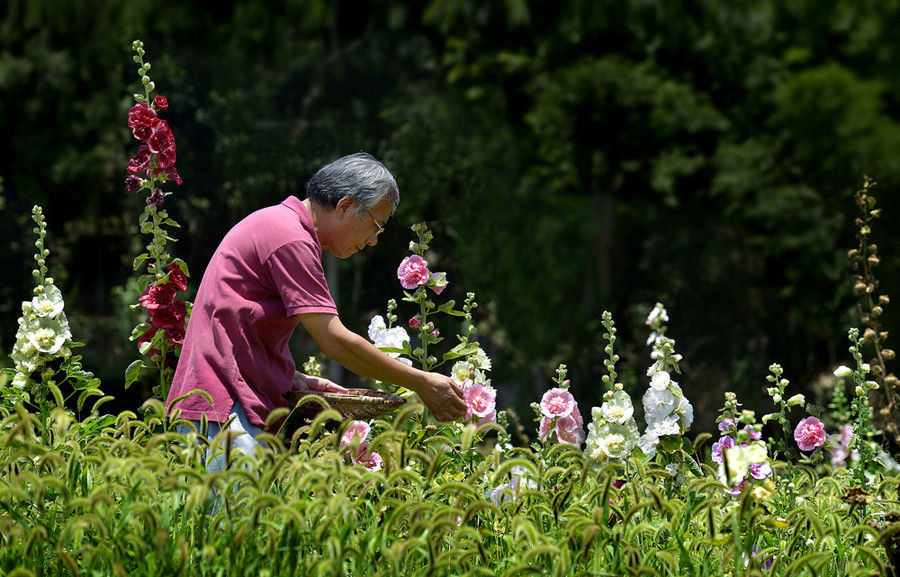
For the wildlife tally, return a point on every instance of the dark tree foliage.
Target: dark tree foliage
(571, 157)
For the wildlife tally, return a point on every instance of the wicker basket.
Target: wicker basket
(354, 404)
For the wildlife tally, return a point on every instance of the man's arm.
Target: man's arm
(439, 393)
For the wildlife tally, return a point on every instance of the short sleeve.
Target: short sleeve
(296, 271)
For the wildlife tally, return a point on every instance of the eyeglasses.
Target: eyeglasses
(380, 228)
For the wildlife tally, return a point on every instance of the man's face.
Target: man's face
(358, 232)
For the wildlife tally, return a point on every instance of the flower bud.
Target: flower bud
(872, 385)
(876, 311)
(891, 380)
(866, 367)
(859, 288)
(873, 260)
(852, 253)
(145, 80)
(768, 417)
(870, 335)
(796, 400)
(776, 398)
(884, 300)
(772, 391)
(843, 372)
(435, 333)
(859, 391)
(413, 322)
(888, 354)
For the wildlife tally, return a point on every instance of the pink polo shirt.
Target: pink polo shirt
(267, 269)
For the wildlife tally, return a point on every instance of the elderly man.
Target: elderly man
(266, 277)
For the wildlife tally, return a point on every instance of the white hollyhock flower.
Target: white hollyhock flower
(660, 380)
(49, 335)
(658, 313)
(461, 372)
(612, 440)
(376, 327)
(658, 403)
(648, 443)
(663, 427)
(49, 303)
(481, 360)
(618, 409)
(686, 411)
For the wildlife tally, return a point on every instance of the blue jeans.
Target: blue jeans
(245, 442)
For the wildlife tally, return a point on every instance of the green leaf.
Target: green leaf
(133, 372)
(139, 331)
(182, 265)
(140, 260)
(171, 222)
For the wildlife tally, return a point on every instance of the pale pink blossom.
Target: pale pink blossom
(569, 431)
(413, 272)
(438, 282)
(545, 428)
(840, 450)
(480, 401)
(557, 403)
(371, 460)
(355, 433)
(809, 434)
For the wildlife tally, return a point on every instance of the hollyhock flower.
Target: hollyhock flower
(686, 411)
(647, 443)
(843, 372)
(160, 138)
(177, 276)
(371, 460)
(480, 359)
(141, 119)
(413, 322)
(438, 282)
(50, 334)
(413, 272)
(725, 442)
(160, 103)
(461, 373)
(140, 161)
(355, 433)
(736, 460)
(797, 399)
(663, 427)
(568, 430)
(133, 182)
(611, 440)
(165, 157)
(545, 428)
(660, 380)
(840, 450)
(480, 401)
(158, 296)
(157, 198)
(557, 403)
(509, 491)
(761, 470)
(618, 409)
(658, 403)
(657, 314)
(376, 326)
(49, 303)
(752, 433)
(809, 434)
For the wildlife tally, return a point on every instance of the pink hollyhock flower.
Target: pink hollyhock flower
(809, 434)
(480, 401)
(576, 414)
(356, 432)
(160, 103)
(157, 197)
(557, 403)
(492, 418)
(719, 447)
(569, 431)
(177, 276)
(545, 428)
(413, 272)
(840, 450)
(158, 296)
(371, 460)
(438, 282)
(141, 119)
(413, 322)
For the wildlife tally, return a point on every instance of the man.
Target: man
(265, 278)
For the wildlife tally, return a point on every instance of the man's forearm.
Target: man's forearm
(365, 359)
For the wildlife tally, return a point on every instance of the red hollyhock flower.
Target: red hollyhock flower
(141, 119)
(160, 137)
(158, 296)
(140, 161)
(177, 276)
(132, 183)
(156, 197)
(165, 159)
(160, 103)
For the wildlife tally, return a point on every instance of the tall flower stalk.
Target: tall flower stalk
(161, 335)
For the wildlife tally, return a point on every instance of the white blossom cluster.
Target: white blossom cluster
(388, 338)
(666, 409)
(613, 432)
(43, 332)
(472, 370)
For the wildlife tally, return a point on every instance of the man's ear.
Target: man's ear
(344, 205)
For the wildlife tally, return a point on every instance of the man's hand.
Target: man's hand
(443, 397)
(309, 383)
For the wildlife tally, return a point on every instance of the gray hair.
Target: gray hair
(359, 176)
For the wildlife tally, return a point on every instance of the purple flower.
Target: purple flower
(156, 198)
(760, 470)
(726, 424)
(754, 434)
(718, 448)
